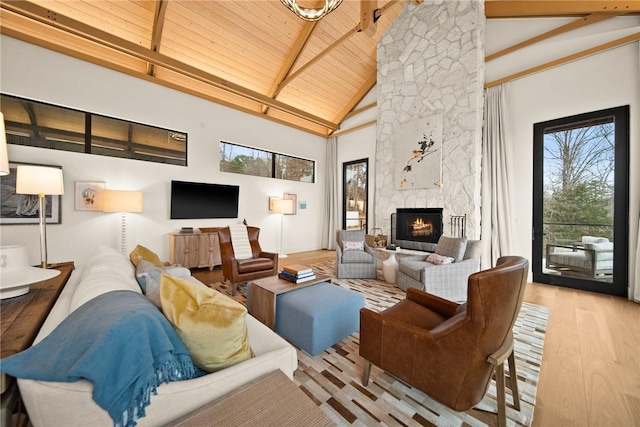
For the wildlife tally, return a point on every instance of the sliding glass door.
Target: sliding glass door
(581, 203)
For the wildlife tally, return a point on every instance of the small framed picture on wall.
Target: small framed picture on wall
(88, 195)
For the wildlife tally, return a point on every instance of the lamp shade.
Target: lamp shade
(121, 201)
(283, 206)
(4, 157)
(39, 180)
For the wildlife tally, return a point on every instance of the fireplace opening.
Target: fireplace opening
(419, 224)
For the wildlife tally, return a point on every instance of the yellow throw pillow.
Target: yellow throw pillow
(212, 325)
(140, 252)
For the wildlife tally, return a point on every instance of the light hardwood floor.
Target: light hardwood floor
(590, 374)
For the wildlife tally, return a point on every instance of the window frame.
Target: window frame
(85, 141)
(273, 162)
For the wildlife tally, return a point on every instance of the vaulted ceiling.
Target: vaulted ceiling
(255, 56)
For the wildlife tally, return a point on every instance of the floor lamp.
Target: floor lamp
(42, 181)
(282, 207)
(123, 202)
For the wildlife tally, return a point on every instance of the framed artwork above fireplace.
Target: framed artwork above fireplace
(419, 153)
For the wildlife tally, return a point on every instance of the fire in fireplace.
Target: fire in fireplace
(419, 224)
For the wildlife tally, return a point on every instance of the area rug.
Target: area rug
(333, 378)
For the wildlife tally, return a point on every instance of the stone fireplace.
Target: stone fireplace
(416, 228)
(419, 224)
(431, 61)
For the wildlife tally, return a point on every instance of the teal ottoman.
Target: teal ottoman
(316, 317)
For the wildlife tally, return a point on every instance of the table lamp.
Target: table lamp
(43, 181)
(282, 207)
(122, 201)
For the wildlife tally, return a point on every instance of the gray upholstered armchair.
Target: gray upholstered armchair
(448, 281)
(354, 261)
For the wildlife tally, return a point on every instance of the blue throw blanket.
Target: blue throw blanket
(121, 343)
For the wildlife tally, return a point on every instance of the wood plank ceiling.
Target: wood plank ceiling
(255, 56)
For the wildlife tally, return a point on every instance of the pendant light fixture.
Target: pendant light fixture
(311, 14)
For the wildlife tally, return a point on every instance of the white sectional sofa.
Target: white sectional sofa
(71, 404)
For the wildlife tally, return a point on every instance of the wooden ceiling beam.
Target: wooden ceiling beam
(569, 58)
(319, 56)
(355, 128)
(357, 111)
(367, 17)
(540, 8)
(362, 92)
(156, 33)
(79, 29)
(580, 22)
(291, 60)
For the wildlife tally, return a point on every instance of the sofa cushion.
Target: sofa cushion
(474, 250)
(212, 325)
(140, 252)
(600, 247)
(107, 270)
(413, 266)
(147, 272)
(148, 277)
(593, 239)
(453, 247)
(254, 264)
(356, 257)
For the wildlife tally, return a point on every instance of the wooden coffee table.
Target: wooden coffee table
(265, 291)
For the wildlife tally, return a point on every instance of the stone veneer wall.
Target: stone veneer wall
(431, 61)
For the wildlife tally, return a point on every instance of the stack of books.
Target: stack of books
(297, 273)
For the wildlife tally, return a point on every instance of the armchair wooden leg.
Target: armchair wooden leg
(502, 405)
(513, 381)
(366, 372)
(233, 289)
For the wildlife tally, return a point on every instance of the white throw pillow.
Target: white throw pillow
(352, 246)
(439, 259)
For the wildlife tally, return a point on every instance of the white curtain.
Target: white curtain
(330, 217)
(496, 212)
(634, 276)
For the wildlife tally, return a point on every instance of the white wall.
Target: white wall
(604, 80)
(32, 72)
(356, 145)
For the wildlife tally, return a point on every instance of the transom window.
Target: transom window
(236, 158)
(37, 124)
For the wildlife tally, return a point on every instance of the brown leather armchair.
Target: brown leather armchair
(447, 350)
(261, 264)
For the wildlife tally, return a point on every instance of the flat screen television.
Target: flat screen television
(198, 200)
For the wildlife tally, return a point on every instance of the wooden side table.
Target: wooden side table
(265, 291)
(20, 321)
(390, 265)
(22, 317)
